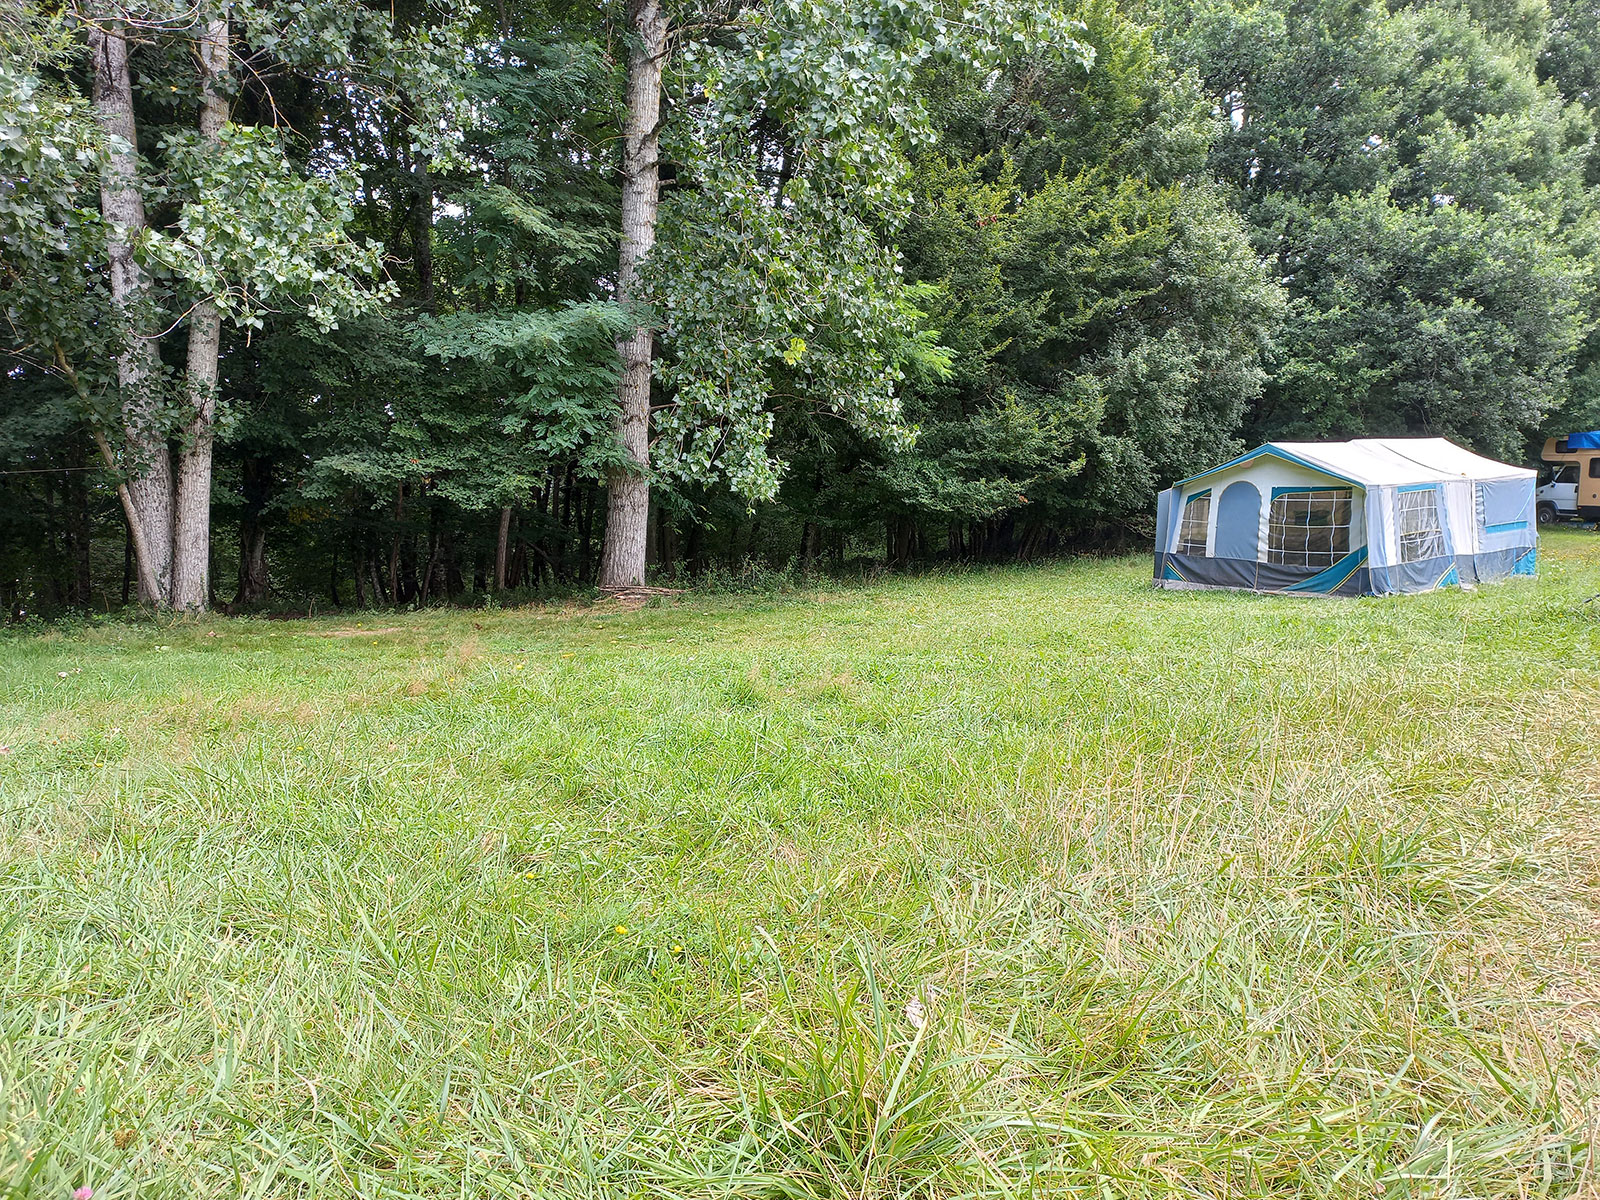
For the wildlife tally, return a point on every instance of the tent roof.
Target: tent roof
(1383, 462)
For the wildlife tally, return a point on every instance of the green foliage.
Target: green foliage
(765, 306)
(550, 377)
(235, 221)
(797, 154)
(252, 233)
(1423, 196)
(537, 219)
(50, 158)
(1106, 315)
(929, 282)
(407, 61)
(840, 78)
(1452, 321)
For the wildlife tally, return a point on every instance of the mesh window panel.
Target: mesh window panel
(1310, 528)
(1192, 533)
(1417, 519)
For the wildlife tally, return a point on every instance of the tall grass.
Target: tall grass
(1006, 884)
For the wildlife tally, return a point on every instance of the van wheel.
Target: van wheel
(1547, 514)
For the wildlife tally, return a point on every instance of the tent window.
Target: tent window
(1309, 528)
(1417, 518)
(1504, 505)
(1196, 516)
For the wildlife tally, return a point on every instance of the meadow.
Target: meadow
(1013, 882)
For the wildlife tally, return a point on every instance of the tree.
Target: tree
(1422, 195)
(628, 499)
(789, 142)
(468, 418)
(1105, 314)
(241, 228)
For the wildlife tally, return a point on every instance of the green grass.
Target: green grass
(1200, 894)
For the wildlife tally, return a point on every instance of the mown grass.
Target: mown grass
(1010, 883)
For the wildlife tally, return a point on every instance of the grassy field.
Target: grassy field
(1012, 883)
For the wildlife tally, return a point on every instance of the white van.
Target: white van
(1557, 496)
(1572, 488)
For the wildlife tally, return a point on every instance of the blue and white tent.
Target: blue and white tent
(1374, 516)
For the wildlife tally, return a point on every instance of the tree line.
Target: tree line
(334, 302)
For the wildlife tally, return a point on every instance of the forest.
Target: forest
(317, 303)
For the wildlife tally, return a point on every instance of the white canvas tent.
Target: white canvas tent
(1375, 516)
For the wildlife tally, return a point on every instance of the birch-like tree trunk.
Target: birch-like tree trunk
(191, 552)
(622, 560)
(148, 460)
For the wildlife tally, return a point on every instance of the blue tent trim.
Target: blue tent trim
(1293, 489)
(1329, 580)
(1257, 453)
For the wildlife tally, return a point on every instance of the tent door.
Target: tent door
(1239, 521)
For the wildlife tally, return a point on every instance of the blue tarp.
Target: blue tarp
(1584, 441)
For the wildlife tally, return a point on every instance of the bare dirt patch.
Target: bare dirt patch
(638, 596)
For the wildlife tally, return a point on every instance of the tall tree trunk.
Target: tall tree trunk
(253, 581)
(519, 562)
(422, 233)
(628, 491)
(697, 545)
(81, 529)
(429, 584)
(410, 584)
(58, 590)
(361, 566)
(256, 478)
(191, 551)
(394, 544)
(500, 548)
(454, 584)
(586, 549)
(149, 463)
(666, 541)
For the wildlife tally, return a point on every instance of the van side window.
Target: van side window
(1594, 467)
(1567, 474)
